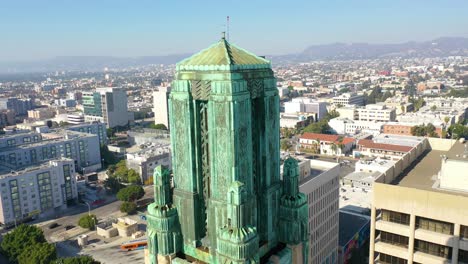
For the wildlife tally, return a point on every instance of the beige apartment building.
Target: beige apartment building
(423, 217)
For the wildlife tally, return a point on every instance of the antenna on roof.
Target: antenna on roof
(227, 27)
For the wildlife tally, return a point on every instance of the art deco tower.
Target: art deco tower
(228, 195)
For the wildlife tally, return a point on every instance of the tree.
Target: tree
(158, 126)
(446, 120)
(112, 184)
(128, 207)
(39, 253)
(87, 221)
(458, 131)
(77, 260)
(433, 108)
(334, 148)
(130, 193)
(133, 176)
(285, 145)
(23, 236)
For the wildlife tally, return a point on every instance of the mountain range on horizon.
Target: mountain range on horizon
(441, 47)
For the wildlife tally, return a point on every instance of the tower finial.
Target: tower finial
(223, 35)
(227, 27)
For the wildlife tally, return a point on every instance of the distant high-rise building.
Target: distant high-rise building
(229, 204)
(108, 105)
(20, 106)
(161, 106)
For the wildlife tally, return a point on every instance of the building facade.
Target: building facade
(147, 159)
(93, 128)
(348, 99)
(161, 106)
(37, 190)
(107, 105)
(377, 113)
(229, 204)
(320, 183)
(32, 148)
(20, 106)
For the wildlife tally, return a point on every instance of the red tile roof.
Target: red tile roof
(327, 138)
(368, 143)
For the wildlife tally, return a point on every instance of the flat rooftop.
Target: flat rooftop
(423, 173)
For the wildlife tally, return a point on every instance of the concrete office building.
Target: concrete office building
(306, 105)
(347, 126)
(36, 190)
(32, 148)
(20, 106)
(377, 113)
(75, 119)
(422, 217)
(161, 106)
(349, 112)
(319, 181)
(41, 113)
(107, 105)
(348, 99)
(145, 160)
(65, 102)
(7, 117)
(94, 128)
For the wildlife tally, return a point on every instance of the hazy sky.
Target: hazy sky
(37, 29)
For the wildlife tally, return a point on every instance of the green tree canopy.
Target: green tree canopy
(77, 260)
(112, 184)
(14, 243)
(158, 126)
(458, 131)
(130, 193)
(285, 144)
(39, 253)
(128, 207)
(87, 221)
(320, 127)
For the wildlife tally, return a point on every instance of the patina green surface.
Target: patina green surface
(224, 123)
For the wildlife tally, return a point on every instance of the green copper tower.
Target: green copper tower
(228, 197)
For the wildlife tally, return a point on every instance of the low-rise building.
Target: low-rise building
(376, 112)
(349, 99)
(145, 160)
(36, 190)
(347, 126)
(297, 120)
(306, 105)
(41, 113)
(93, 128)
(327, 144)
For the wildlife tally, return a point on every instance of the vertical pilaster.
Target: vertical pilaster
(411, 238)
(187, 197)
(372, 236)
(456, 243)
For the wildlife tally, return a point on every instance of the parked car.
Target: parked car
(53, 225)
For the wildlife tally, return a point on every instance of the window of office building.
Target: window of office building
(11, 142)
(33, 155)
(68, 150)
(45, 190)
(433, 249)
(462, 256)
(384, 258)
(67, 176)
(395, 217)
(434, 225)
(464, 232)
(394, 239)
(12, 158)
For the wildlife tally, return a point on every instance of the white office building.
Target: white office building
(319, 181)
(161, 106)
(145, 160)
(376, 112)
(306, 105)
(107, 105)
(348, 99)
(34, 148)
(37, 190)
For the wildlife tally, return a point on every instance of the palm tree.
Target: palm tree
(334, 147)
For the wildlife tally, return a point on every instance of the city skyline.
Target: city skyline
(119, 29)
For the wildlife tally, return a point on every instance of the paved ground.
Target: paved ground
(104, 250)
